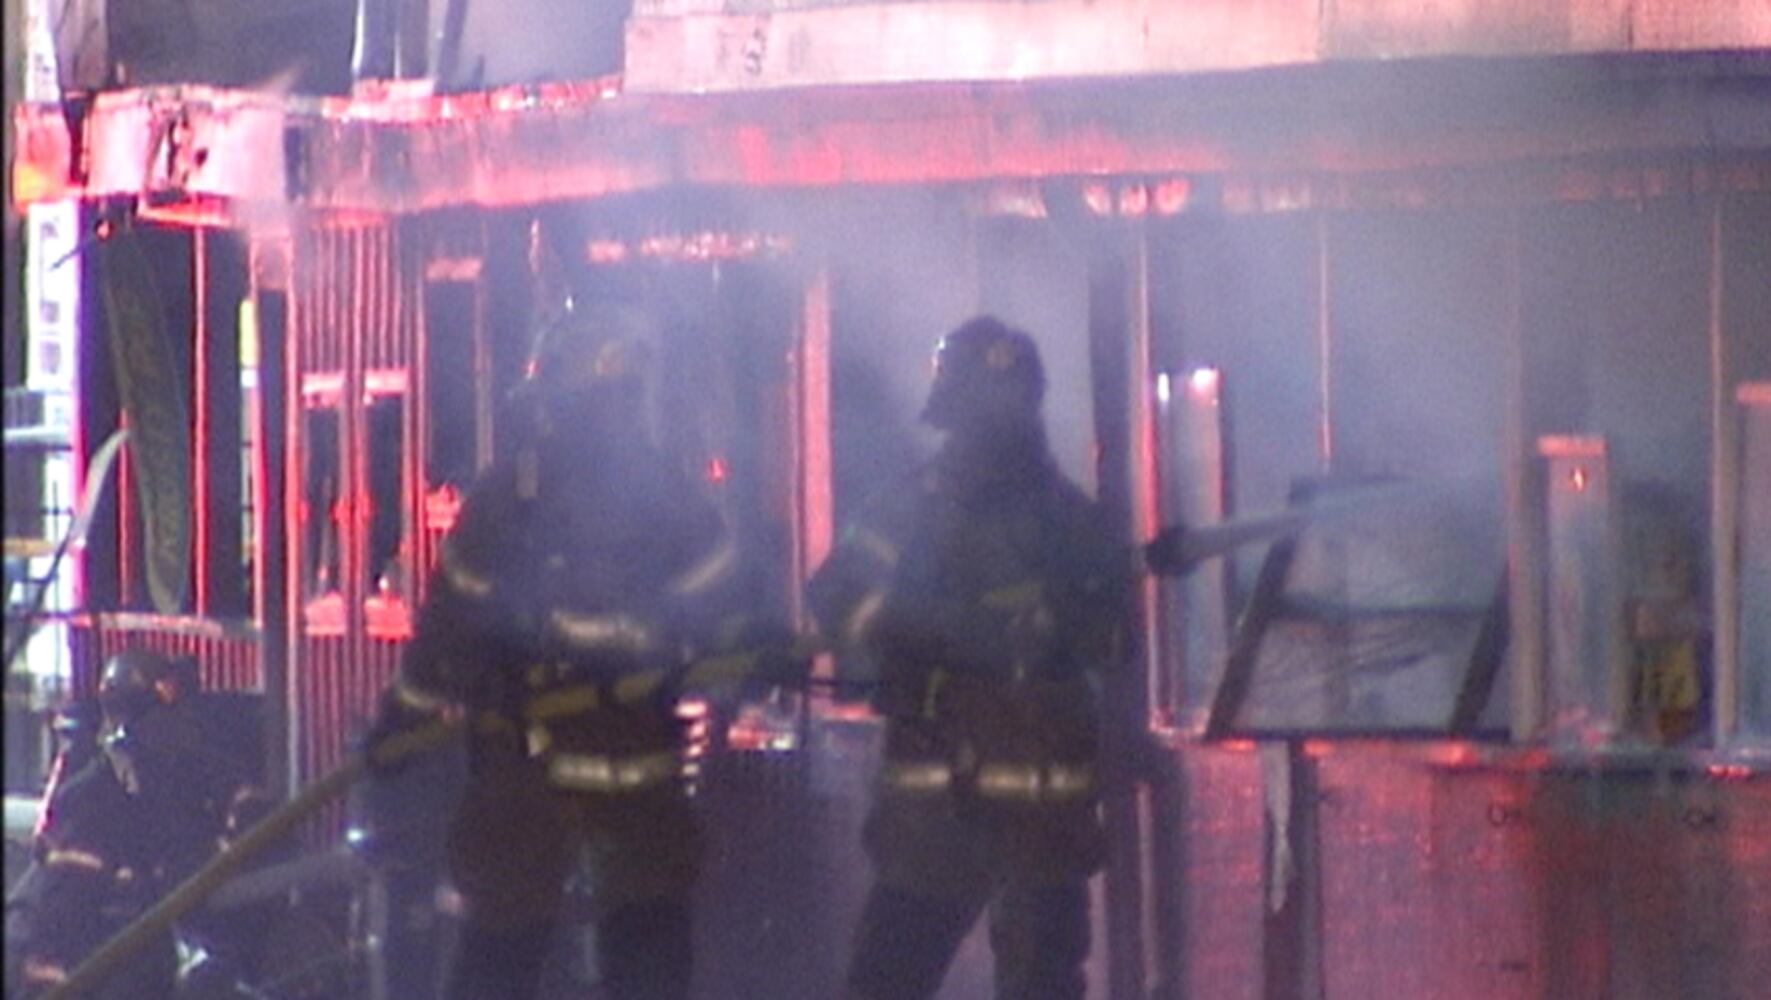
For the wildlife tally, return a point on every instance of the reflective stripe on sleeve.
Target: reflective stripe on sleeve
(638, 687)
(594, 773)
(854, 628)
(587, 698)
(712, 569)
(917, 776)
(70, 857)
(565, 701)
(416, 698)
(605, 631)
(35, 970)
(461, 577)
(1032, 783)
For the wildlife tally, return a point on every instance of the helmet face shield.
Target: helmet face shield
(590, 346)
(591, 363)
(133, 682)
(986, 373)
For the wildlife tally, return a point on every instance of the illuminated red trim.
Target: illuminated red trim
(194, 211)
(127, 585)
(259, 457)
(200, 419)
(811, 407)
(214, 629)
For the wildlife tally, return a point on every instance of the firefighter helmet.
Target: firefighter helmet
(137, 680)
(986, 372)
(589, 347)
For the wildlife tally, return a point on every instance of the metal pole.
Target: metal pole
(1724, 502)
(1112, 346)
(372, 56)
(412, 45)
(1146, 513)
(449, 47)
(1524, 503)
(817, 502)
(1146, 500)
(1324, 349)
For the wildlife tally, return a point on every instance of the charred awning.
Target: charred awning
(1368, 134)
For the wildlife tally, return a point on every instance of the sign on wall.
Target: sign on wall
(52, 298)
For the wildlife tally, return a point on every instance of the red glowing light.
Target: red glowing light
(1171, 196)
(1454, 755)
(716, 470)
(1578, 479)
(1098, 199)
(441, 507)
(1203, 380)
(607, 251)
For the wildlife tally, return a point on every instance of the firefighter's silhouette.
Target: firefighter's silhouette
(558, 619)
(990, 597)
(141, 794)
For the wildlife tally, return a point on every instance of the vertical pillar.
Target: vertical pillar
(1291, 878)
(1194, 635)
(377, 39)
(1524, 508)
(1748, 723)
(1194, 609)
(1119, 362)
(278, 488)
(815, 528)
(1324, 348)
(412, 54)
(449, 43)
(218, 279)
(1588, 680)
(1724, 503)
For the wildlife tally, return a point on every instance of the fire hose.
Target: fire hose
(387, 753)
(98, 472)
(1174, 552)
(190, 894)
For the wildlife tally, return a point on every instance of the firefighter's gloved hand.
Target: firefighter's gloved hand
(1166, 553)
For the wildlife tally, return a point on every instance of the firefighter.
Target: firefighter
(558, 621)
(990, 598)
(137, 818)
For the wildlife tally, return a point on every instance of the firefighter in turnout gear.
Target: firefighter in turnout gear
(558, 620)
(139, 815)
(990, 596)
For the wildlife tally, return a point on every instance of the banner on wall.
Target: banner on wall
(153, 392)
